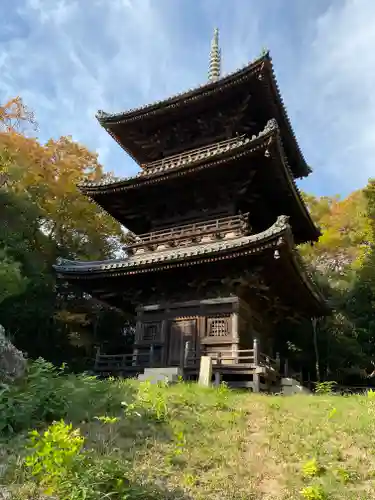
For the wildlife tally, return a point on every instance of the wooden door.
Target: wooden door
(181, 331)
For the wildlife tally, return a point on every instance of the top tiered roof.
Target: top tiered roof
(144, 132)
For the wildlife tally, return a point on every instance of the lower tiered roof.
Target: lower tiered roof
(98, 277)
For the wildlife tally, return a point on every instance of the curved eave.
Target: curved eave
(321, 306)
(185, 256)
(261, 66)
(159, 174)
(270, 136)
(278, 236)
(315, 232)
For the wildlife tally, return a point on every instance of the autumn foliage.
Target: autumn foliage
(49, 174)
(44, 216)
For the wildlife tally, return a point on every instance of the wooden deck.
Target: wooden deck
(245, 367)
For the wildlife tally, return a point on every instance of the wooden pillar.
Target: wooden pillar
(138, 338)
(278, 362)
(164, 339)
(97, 356)
(256, 380)
(286, 368)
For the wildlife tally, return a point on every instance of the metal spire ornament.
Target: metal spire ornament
(214, 70)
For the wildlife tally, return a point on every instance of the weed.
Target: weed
(107, 420)
(332, 413)
(325, 387)
(345, 476)
(313, 493)
(53, 454)
(222, 396)
(312, 468)
(174, 455)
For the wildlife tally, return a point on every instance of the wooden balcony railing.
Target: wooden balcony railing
(243, 358)
(194, 154)
(174, 234)
(226, 358)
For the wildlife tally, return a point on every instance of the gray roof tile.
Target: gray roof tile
(65, 266)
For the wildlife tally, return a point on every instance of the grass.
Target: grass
(188, 442)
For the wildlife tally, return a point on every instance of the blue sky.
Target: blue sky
(69, 58)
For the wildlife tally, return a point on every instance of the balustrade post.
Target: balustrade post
(256, 351)
(256, 379)
(135, 357)
(218, 359)
(151, 361)
(186, 353)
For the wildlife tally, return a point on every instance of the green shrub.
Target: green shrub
(47, 394)
(54, 455)
(61, 467)
(38, 394)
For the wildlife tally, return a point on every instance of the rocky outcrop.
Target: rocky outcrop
(12, 361)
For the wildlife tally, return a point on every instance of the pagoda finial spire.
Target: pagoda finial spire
(214, 70)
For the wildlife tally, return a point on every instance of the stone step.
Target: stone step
(155, 379)
(291, 386)
(166, 374)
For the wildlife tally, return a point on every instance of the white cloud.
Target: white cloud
(69, 58)
(338, 76)
(83, 55)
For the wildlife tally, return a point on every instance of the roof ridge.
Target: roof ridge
(103, 116)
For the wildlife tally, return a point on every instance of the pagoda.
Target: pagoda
(216, 215)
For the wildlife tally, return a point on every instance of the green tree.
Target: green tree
(45, 216)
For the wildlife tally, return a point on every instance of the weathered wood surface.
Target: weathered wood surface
(238, 223)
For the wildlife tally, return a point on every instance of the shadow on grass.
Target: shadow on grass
(147, 491)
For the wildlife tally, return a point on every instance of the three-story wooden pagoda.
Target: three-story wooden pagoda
(217, 215)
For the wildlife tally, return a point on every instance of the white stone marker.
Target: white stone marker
(205, 371)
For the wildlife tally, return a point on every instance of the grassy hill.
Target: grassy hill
(130, 441)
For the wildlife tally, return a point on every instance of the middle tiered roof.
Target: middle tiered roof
(248, 174)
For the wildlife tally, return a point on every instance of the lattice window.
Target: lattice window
(151, 332)
(218, 327)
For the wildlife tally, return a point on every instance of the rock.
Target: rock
(12, 361)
